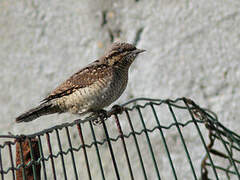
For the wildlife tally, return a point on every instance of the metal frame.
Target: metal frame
(199, 117)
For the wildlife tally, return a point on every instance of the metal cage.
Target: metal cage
(150, 139)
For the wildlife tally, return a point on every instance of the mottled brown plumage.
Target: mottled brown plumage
(81, 79)
(92, 88)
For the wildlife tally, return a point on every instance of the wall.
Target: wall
(192, 50)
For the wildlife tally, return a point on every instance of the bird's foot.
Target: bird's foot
(101, 116)
(118, 109)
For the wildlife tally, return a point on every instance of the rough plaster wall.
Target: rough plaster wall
(193, 50)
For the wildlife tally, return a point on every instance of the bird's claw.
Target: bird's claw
(101, 116)
(118, 109)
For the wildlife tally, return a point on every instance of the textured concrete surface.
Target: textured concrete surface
(193, 50)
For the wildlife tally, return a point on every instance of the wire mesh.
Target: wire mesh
(150, 139)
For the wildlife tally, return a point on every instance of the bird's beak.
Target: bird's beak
(138, 51)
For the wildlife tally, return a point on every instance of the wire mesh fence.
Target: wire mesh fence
(150, 139)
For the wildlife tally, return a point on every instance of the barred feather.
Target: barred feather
(42, 109)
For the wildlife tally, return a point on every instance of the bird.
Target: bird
(92, 88)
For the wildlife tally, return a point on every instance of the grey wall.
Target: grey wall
(193, 50)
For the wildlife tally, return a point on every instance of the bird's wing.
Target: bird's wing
(83, 78)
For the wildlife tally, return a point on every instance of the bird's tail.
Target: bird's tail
(42, 109)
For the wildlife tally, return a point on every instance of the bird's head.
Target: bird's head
(121, 54)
